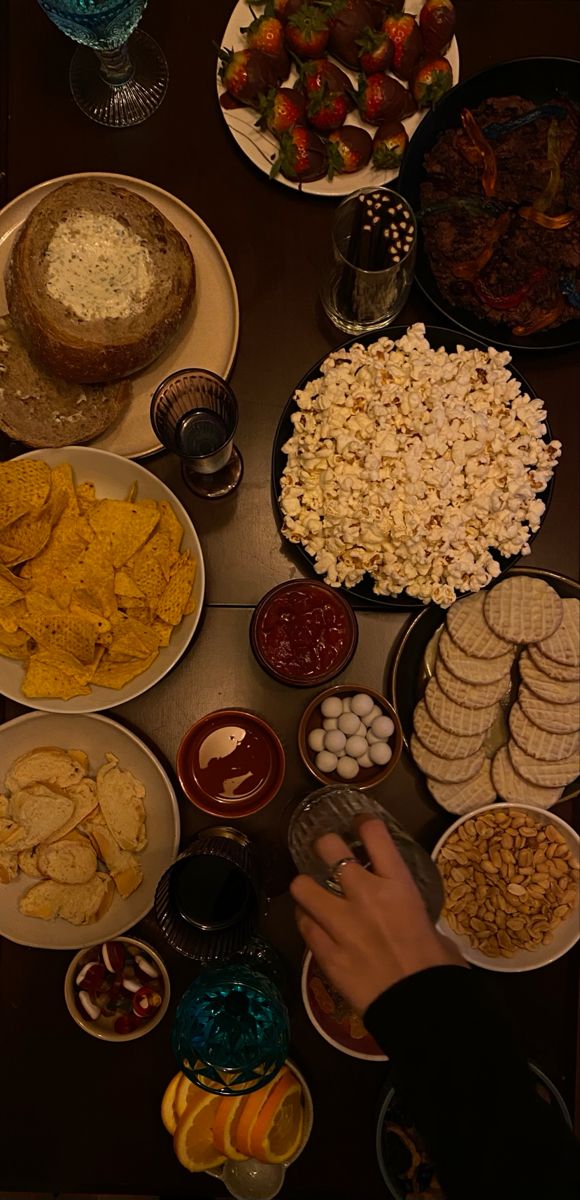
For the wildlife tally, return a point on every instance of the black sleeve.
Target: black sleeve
(470, 1092)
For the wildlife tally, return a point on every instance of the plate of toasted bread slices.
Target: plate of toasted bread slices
(88, 823)
(109, 285)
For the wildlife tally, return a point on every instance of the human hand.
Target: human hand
(376, 934)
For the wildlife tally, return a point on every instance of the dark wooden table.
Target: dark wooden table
(76, 1115)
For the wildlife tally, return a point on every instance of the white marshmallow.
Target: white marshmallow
(347, 767)
(330, 723)
(331, 707)
(370, 716)
(334, 741)
(316, 740)
(365, 760)
(356, 746)
(346, 704)
(372, 737)
(383, 727)
(326, 762)
(362, 729)
(380, 753)
(348, 723)
(361, 704)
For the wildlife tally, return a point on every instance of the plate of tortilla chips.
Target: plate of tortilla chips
(88, 823)
(101, 579)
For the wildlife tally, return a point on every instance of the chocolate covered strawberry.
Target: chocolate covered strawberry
(281, 109)
(375, 51)
(327, 110)
(266, 34)
(283, 9)
(381, 98)
(437, 25)
(432, 78)
(302, 156)
(321, 72)
(389, 145)
(247, 73)
(383, 8)
(349, 19)
(348, 150)
(307, 32)
(404, 33)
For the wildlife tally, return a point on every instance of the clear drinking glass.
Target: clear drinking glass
(231, 1030)
(337, 809)
(125, 80)
(374, 243)
(194, 413)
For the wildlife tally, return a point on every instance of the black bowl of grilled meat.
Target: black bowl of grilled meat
(494, 175)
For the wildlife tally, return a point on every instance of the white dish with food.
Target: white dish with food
(97, 736)
(113, 477)
(262, 148)
(142, 961)
(209, 335)
(565, 933)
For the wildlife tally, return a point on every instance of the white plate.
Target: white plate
(112, 477)
(262, 148)
(209, 336)
(97, 736)
(565, 935)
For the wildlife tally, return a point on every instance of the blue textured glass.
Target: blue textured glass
(101, 24)
(231, 1030)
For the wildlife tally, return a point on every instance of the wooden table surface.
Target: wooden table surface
(76, 1115)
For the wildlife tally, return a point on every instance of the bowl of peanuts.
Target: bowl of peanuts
(511, 879)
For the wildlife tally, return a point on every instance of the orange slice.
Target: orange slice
(225, 1126)
(250, 1111)
(167, 1110)
(277, 1132)
(187, 1095)
(193, 1139)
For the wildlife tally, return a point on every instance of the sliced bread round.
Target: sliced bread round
(98, 281)
(40, 410)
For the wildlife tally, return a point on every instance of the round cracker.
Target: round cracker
(563, 646)
(553, 691)
(516, 790)
(544, 774)
(555, 718)
(445, 770)
(441, 741)
(455, 717)
(471, 669)
(466, 797)
(470, 631)
(553, 669)
(473, 695)
(523, 609)
(549, 747)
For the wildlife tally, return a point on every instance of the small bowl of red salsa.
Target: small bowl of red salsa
(303, 632)
(117, 990)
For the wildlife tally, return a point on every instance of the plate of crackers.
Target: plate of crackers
(101, 580)
(488, 694)
(88, 822)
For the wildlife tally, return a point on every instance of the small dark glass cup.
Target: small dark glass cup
(194, 413)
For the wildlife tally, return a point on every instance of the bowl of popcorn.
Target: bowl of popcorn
(350, 734)
(511, 878)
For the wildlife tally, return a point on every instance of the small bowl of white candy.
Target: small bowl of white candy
(350, 734)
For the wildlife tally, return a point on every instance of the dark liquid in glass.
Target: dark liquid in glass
(210, 892)
(200, 431)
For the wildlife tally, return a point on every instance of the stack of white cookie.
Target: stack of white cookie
(523, 617)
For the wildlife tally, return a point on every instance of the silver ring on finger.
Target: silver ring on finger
(332, 881)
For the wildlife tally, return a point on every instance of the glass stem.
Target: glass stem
(116, 66)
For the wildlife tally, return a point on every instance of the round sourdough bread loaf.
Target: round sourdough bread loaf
(98, 281)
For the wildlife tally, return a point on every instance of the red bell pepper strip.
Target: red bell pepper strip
(541, 218)
(512, 299)
(486, 153)
(470, 268)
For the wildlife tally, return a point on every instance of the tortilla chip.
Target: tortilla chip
(117, 675)
(10, 616)
(30, 533)
(163, 631)
(14, 644)
(132, 639)
(62, 631)
(63, 482)
(125, 585)
(125, 526)
(91, 580)
(169, 524)
(172, 603)
(24, 484)
(86, 497)
(47, 681)
(9, 592)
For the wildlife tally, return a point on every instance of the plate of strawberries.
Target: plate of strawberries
(324, 97)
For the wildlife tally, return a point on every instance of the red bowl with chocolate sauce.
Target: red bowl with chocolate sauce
(303, 633)
(231, 763)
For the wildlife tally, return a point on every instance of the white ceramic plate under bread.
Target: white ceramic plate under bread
(97, 736)
(113, 476)
(565, 935)
(209, 336)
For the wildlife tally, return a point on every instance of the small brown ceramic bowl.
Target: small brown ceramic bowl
(312, 719)
(231, 763)
(303, 633)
